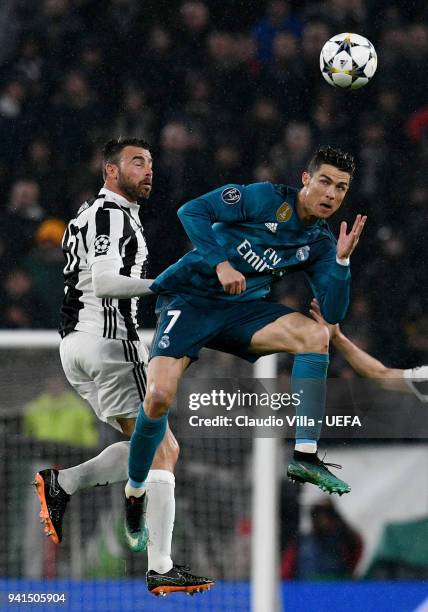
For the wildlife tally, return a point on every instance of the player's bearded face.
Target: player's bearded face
(135, 173)
(134, 187)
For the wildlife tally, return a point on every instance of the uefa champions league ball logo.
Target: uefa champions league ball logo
(231, 195)
(101, 244)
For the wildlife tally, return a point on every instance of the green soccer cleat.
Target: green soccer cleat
(308, 467)
(136, 532)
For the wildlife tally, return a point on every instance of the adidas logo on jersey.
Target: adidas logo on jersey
(272, 227)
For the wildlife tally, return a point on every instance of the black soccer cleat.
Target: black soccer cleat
(136, 532)
(177, 579)
(53, 501)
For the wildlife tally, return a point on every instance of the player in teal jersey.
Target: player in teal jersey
(246, 238)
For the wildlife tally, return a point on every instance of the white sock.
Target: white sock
(306, 447)
(131, 491)
(110, 466)
(160, 517)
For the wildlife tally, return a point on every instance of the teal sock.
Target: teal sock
(309, 376)
(147, 436)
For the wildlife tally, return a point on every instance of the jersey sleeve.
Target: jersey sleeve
(107, 281)
(105, 229)
(228, 204)
(331, 283)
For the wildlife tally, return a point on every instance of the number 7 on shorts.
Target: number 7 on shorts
(174, 314)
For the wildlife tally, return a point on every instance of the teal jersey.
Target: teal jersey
(256, 228)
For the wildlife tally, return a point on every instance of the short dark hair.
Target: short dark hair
(113, 148)
(333, 157)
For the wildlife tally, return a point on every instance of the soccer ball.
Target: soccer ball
(348, 61)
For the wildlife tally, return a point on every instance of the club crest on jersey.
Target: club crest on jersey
(101, 244)
(164, 342)
(284, 213)
(231, 195)
(302, 254)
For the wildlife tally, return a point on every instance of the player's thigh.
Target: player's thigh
(72, 371)
(121, 379)
(241, 322)
(89, 392)
(292, 333)
(127, 425)
(115, 367)
(78, 378)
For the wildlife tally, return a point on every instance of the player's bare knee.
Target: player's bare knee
(158, 399)
(311, 338)
(316, 339)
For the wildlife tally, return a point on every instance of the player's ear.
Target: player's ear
(110, 170)
(306, 177)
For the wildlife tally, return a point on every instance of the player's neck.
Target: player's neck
(117, 191)
(302, 212)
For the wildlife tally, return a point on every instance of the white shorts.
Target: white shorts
(109, 374)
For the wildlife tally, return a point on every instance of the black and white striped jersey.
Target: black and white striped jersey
(106, 228)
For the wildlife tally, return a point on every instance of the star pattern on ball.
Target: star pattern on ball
(348, 61)
(347, 43)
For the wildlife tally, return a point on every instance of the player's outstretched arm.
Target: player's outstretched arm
(330, 277)
(109, 283)
(231, 204)
(364, 364)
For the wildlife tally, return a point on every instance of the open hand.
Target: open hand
(346, 243)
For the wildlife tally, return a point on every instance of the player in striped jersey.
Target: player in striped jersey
(104, 360)
(411, 380)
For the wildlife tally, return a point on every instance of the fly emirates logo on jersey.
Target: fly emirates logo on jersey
(260, 263)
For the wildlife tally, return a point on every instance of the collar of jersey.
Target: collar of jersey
(115, 197)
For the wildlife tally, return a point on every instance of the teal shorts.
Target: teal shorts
(184, 326)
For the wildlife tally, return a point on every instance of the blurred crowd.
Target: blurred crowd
(224, 92)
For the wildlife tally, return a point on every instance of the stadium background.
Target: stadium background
(225, 92)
